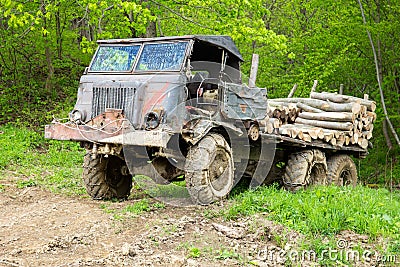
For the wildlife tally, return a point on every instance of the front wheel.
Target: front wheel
(106, 177)
(209, 169)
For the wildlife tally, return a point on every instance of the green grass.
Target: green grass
(324, 210)
(194, 252)
(33, 160)
(138, 207)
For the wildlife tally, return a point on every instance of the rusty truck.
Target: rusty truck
(173, 107)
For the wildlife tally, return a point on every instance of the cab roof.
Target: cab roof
(222, 41)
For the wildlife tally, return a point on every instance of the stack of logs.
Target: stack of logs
(334, 118)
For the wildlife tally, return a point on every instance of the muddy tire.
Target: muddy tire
(209, 170)
(106, 178)
(305, 168)
(342, 170)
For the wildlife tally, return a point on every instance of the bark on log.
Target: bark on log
(308, 108)
(337, 98)
(344, 126)
(325, 105)
(328, 116)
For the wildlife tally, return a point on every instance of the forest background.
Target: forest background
(46, 45)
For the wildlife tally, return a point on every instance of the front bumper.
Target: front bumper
(108, 128)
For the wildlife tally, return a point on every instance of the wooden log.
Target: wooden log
(329, 116)
(333, 141)
(264, 121)
(276, 123)
(338, 98)
(307, 138)
(347, 140)
(293, 113)
(253, 70)
(314, 87)
(340, 141)
(367, 134)
(325, 105)
(362, 142)
(308, 108)
(269, 128)
(293, 90)
(345, 126)
(284, 131)
(371, 115)
(328, 137)
(368, 127)
(314, 132)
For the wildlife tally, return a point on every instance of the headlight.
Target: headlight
(152, 120)
(77, 116)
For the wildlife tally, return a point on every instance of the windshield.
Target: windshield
(115, 58)
(162, 56)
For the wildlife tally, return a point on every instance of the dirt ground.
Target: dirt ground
(40, 228)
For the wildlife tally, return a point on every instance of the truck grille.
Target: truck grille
(113, 97)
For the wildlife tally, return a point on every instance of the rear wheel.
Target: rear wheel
(304, 168)
(106, 177)
(342, 170)
(209, 169)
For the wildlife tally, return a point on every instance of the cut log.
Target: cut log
(306, 138)
(367, 134)
(340, 141)
(329, 116)
(325, 105)
(344, 126)
(328, 136)
(338, 98)
(347, 140)
(362, 142)
(308, 108)
(333, 141)
(285, 131)
(276, 123)
(371, 115)
(269, 128)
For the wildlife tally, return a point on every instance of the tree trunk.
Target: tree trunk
(47, 52)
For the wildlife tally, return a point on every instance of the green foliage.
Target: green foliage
(324, 210)
(194, 252)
